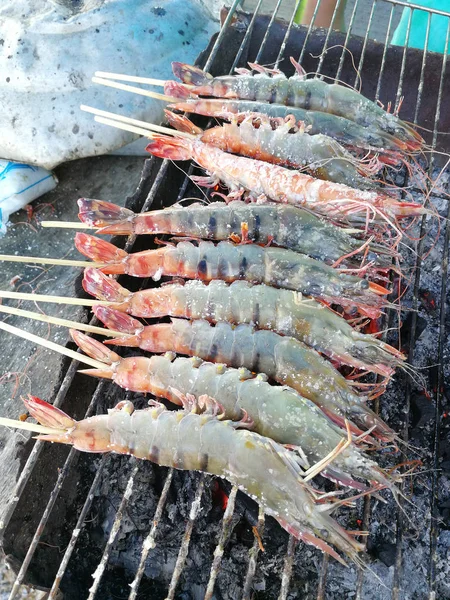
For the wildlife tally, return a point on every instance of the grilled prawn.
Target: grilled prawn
(271, 140)
(277, 412)
(343, 130)
(262, 180)
(202, 442)
(284, 359)
(229, 262)
(284, 225)
(310, 94)
(282, 311)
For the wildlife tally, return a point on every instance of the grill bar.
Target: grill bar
(383, 60)
(287, 571)
(184, 548)
(114, 531)
(364, 48)
(83, 514)
(267, 33)
(253, 556)
(402, 72)
(220, 548)
(437, 415)
(347, 37)
(149, 541)
(325, 44)
(323, 577)
(246, 37)
(286, 37)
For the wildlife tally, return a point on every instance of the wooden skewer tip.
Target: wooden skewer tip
(54, 299)
(34, 427)
(10, 310)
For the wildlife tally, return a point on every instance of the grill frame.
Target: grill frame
(68, 379)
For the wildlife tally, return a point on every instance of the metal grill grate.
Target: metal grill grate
(334, 59)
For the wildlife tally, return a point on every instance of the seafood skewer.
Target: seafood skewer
(277, 140)
(258, 136)
(274, 266)
(261, 180)
(203, 442)
(283, 359)
(284, 225)
(276, 412)
(342, 129)
(310, 94)
(282, 311)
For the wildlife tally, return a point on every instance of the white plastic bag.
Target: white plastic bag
(50, 51)
(19, 185)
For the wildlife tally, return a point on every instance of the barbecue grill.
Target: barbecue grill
(122, 528)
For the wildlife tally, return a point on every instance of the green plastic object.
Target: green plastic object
(418, 29)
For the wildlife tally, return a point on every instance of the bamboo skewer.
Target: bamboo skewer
(67, 225)
(28, 426)
(121, 122)
(51, 345)
(53, 299)
(134, 89)
(125, 126)
(57, 321)
(133, 78)
(144, 124)
(51, 261)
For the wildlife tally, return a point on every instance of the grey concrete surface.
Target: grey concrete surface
(24, 368)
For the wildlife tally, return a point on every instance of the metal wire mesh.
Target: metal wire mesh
(390, 10)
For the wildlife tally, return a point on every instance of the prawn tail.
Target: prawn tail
(101, 251)
(182, 123)
(46, 414)
(49, 416)
(94, 349)
(413, 140)
(117, 320)
(104, 288)
(176, 90)
(190, 74)
(164, 146)
(98, 213)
